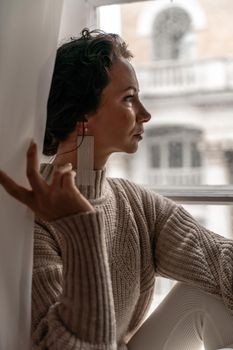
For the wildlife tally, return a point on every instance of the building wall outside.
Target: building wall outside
(213, 37)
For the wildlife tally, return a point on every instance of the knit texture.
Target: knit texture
(94, 273)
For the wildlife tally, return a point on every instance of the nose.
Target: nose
(143, 115)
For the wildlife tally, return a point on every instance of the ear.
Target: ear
(81, 126)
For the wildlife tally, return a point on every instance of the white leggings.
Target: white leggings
(187, 319)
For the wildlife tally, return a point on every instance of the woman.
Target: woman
(100, 242)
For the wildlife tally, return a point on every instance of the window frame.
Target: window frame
(97, 3)
(209, 194)
(204, 194)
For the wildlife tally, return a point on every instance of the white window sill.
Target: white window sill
(197, 195)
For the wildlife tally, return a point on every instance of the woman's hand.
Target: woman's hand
(49, 202)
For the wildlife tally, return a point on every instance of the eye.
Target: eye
(128, 98)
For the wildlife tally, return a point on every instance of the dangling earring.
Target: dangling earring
(85, 127)
(85, 130)
(85, 158)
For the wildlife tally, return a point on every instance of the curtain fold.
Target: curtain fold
(29, 32)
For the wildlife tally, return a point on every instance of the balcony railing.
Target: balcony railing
(179, 77)
(175, 177)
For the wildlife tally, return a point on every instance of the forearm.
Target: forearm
(83, 316)
(86, 302)
(188, 252)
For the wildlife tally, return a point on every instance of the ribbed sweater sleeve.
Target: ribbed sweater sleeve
(83, 317)
(186, 251)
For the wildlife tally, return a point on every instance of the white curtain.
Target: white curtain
(28, 39)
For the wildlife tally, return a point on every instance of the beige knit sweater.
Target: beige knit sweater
(94, 273)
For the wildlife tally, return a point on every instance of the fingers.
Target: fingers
(18, 192)
(68, 179)
(58, 175)
(33, 174)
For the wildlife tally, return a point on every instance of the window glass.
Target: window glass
(184, 64)
(175, 154)
(155, 153)
(195, 155)
(171, 27)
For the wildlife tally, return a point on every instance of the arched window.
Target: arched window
(173, 38)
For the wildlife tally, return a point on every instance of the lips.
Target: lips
(138, 136)
(139, 133)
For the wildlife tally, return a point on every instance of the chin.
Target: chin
(131, 149)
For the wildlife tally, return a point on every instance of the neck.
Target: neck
(67, 153)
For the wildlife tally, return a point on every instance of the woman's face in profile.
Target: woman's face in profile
(117, 125)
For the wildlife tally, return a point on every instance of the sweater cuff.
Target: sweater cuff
(86, 304)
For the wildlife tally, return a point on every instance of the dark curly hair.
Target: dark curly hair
(81, 72)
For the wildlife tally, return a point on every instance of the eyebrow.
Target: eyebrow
(132, 88)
